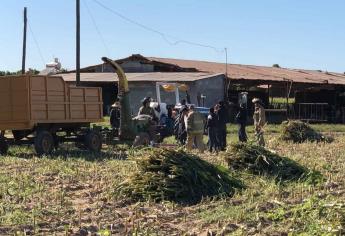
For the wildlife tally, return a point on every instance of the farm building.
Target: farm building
(208, 80)
(205, 89)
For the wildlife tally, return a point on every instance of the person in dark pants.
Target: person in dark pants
(115, 115)
(180, 126)
(241, 119)
(221, 124)
(211, 127)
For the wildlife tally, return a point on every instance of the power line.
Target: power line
(96, 27)
(37, 45)
(164, 36)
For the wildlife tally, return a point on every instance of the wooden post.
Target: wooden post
(227, 79)
(77, 42)
(269, 94)
(24, 41)
(287, 93)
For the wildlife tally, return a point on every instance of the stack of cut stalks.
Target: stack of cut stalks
(260, 161)
(176, 176)
(299, 132)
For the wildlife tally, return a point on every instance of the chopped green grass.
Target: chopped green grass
(176, 176)
(298, 132)
(72, 191)
(260, 161)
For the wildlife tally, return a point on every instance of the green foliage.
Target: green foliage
(104, 233)
(176, 176)
(258, 160)
(2, 73)
(282, 100)
(315, 214)
(299, 132)
(72, 190)
(19, 72)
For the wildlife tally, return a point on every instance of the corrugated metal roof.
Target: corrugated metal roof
(143, 77)
(249, 72)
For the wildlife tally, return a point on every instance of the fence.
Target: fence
(310, 112)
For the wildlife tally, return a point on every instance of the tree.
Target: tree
(33, 71)
(19, 72)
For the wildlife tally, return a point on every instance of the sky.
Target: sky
(292, 33)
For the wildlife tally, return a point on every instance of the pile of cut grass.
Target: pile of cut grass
(169, 175)
(299, 132)
(260, 161)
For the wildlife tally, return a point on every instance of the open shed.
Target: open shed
(292, 86)
(205, 89)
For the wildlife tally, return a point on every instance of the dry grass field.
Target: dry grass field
(72, 192)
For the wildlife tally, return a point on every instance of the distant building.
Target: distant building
(210, 82)
(205, 89)
(52, 68)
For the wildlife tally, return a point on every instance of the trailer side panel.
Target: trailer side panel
(26, 101)
(14, 102)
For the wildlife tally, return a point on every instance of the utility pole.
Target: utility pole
(226, 61)
(77, 42)
(24, 41)
(227, 81)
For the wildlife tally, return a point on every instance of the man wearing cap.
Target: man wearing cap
(195, 130)
(259, 121)
(241, 119)
(145, 109)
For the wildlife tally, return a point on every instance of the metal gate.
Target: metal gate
(310, 112)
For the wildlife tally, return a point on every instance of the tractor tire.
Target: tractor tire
(44, 143)
(93, 141)
(3, 147)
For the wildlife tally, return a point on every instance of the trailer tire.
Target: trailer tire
(3, 146)
(18, 134)
(44, 143)
(93, 141)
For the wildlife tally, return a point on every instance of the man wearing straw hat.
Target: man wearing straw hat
(259, 121)
(195, 130)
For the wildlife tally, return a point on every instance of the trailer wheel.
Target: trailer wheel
(44, 143)
(3, 146)
(93, 141)
(18, 134)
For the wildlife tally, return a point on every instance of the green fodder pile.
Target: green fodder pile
(176, 176)
(260, 161)
(299, 132)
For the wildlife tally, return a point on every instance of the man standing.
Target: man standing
(259, 121)
(241, 119)
(221, 129)
(211, 126)
(195, 130)
(115, 115)
(145, 109)
(180, 126)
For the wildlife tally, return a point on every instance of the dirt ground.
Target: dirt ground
(72, 193)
